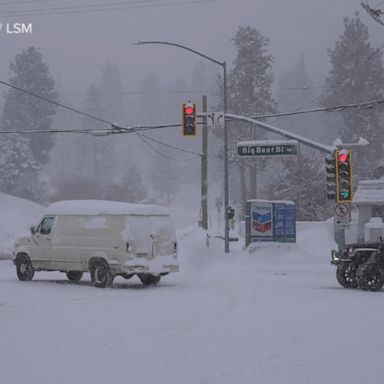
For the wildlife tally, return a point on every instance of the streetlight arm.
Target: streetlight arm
(226, 177)
(183, 47)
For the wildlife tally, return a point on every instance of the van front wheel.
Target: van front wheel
(24, 268)
(101, 275)
(74, 275)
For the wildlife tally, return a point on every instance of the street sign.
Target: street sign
(267, 148)
(342, 215)
(214, 118)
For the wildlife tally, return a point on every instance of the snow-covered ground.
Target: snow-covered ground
(276, 315)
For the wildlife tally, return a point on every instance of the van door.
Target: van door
(41, 239)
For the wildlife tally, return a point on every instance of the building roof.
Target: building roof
(369, 192)
(103, 207)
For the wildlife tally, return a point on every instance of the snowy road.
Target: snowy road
(274, 316)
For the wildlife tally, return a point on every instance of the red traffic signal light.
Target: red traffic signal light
(188, 110)
(188, 119)
(344, 176)
(343, 157)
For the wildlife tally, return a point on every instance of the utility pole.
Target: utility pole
(204, 169)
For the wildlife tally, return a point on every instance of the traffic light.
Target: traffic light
(330, 169)
(188, 119)
(344, 176)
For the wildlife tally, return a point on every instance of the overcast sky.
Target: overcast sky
(77, 44)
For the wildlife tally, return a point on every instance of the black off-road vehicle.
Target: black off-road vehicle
(360, 265)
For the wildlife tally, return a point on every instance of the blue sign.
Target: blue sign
(270, 221)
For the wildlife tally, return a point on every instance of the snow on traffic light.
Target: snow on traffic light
(188, 119)
(344, 176)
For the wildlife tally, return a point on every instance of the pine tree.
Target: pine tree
(22, 156)
(149, 108)
(357, 76)
(295, 91)
(25, 112)
(249, 92)
(132, 182)
(19, 172)
(111, 93)
(93, 156)
(164, 178)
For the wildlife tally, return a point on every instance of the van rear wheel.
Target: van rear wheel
(74, 275)
(148, 279)
(101, 275)
(24, 268)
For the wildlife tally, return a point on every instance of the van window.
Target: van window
(45, 226)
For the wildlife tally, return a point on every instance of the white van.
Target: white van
(105, 238)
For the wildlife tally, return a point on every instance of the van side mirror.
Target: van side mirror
(33, 230)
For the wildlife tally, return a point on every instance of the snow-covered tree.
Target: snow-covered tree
(19, 172)
(164, 178)
(296, 92)
(22, 156)
(150, 100)
(302, 180)
(356, 76)
(111, 93)
(25, 112)
(95, 155)
(249, 92)
(133, 184)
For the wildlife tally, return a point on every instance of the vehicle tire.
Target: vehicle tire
(24, 268)
(148, 279)
(346, 275)
(74, 275)
(370, 276)
(101, 275)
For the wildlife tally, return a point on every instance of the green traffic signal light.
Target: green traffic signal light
(344, 194)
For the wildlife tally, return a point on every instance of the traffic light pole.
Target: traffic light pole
(223, 65)
(226, 187)
(204, 169)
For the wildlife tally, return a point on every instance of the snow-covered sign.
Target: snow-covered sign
(267, 147)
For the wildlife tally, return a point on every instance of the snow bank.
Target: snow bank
(17, 216)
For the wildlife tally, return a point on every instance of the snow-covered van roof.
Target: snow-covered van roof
(103, 207)
(369, 192)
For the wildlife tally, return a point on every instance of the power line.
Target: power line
(340, 108)
(78, 10)
(176, 92)
(16, 3)
(374, 13)
(170, 146)
(85, 6)
(115, 128)
(56, 103)
(144, 138)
